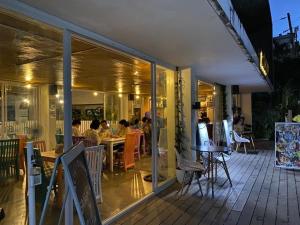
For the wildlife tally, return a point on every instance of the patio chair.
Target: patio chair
(94, 156)
(240, 140)
(191, 169)
(77, 139)
(137, 152)
(9, 158)
(126, 157)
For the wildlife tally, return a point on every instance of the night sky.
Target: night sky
(279, 9)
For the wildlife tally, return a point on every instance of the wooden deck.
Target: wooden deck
(261, 195)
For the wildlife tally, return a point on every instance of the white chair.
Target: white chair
(94, 156)
(240, 140)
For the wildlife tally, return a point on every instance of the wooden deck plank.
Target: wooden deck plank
(260, 208)
(261, 195)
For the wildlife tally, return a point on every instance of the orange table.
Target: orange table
(50, 156)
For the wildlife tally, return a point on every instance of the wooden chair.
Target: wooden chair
(127, 156)
(22, 145)
(94, 156)
(40, 145)
(137, 151)
(9, 158)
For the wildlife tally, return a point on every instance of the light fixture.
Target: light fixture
(95, 93)
(136, 73)
(214, 93)
(26, 100)
(57, 95)
(137, 97)
(61, 101)
(120, 95)
(28, 86)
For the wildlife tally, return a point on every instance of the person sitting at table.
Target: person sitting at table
(123, 129)
(105, 131)
(75, 128)
(92, 133)
(147, 131)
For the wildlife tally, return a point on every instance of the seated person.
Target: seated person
(135, 124)
(105, 131)
(75, 128)
(123, 129)
(121, 132)
(92, 133)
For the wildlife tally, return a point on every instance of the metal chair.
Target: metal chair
(94, 156)
(191, 169)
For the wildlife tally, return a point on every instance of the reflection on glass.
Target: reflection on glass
(165, 123)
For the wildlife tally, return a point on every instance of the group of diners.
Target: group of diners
(100, 130)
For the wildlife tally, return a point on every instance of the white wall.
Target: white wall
(80, 97)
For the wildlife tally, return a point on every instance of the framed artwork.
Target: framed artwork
(287, 145)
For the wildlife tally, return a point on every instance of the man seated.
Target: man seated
(105, 131)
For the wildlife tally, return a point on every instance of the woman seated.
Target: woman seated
(122, 130)
(92, 133)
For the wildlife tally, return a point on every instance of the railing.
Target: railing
(13, 128)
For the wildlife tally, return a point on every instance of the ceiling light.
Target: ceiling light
(26, 100)
(214, 93)
(28, 86)
(120, 95)
(95, 93)
(61, 101)
(137, 97)
(136, 73)
(57, 95)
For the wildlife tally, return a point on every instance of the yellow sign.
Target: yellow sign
(263, 64)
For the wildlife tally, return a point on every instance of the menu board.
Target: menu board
(287, 145)
(79, 182)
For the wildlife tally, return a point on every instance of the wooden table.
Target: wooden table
(211, 150)
(50, 156)
(110, 142)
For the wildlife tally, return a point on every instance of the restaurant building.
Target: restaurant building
(117, 60)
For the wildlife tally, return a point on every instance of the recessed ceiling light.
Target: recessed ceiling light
(136, 73)
(95, 93)
(28, 86)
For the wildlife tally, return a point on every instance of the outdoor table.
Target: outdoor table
(110, 142)
(211, 150)
(50, 156)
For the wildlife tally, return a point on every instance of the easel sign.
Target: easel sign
(80, 186)
(287, 145)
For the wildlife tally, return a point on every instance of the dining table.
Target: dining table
(212, 151)
(50, 156)
(110, 143)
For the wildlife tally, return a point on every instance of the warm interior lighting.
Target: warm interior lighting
(61, 101)
(57, 95)
(95, 93)
(28, 86)
(120, 95)
(137, 97)
(136, 73)
(26, 100)
(214, 93)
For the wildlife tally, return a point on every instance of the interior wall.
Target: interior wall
(80, 97)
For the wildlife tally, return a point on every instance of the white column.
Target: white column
(229, 106)
(187, 107)
(67, 113)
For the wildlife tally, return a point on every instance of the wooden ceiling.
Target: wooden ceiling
(31, 52)
(205, 89)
